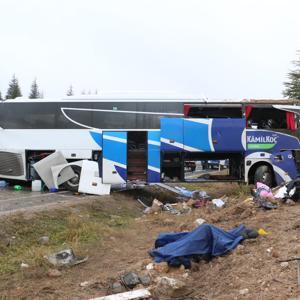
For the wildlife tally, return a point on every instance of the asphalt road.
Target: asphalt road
(25, 200)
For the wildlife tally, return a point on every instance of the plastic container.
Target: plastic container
(36, 185)
(3, 184)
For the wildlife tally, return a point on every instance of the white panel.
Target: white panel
(90, 182)
(43, 168)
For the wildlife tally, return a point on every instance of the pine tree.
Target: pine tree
(34, 91)
(0, 96)
(293, 85)
(70, 91)
(13, 90)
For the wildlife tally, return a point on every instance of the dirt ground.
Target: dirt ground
(123, 246)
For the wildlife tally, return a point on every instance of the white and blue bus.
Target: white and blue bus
(150, 138)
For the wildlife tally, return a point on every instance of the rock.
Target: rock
(290, 202)
(240, 249)
(244, 291)
(161, 267)
(275, 254)
(171, 287)
(117, 287)
(185, 275)
(130, 280)
(284, 265)
(199, 222)
(54, 273)
(44, 240)
(145, 280)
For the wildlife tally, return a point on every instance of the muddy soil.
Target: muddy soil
(253, 266)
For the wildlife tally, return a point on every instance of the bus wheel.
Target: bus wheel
(264, 175)
(73, 184)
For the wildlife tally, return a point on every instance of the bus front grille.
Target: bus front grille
(11, 164)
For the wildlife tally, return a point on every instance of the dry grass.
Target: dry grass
(75, 228)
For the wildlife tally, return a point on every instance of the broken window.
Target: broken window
(269, 118)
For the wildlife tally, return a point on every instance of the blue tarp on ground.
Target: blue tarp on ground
(207, 240)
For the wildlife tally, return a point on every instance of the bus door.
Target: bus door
(153, 156)
(171, 134)
(228, 135)
(114, 161)
(214, 135)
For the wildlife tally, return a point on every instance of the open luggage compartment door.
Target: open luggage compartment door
(153, 156)
(171, 134)
(114, 157)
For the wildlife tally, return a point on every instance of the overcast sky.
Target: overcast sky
(217, 48)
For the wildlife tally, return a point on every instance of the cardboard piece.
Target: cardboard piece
(90, 182)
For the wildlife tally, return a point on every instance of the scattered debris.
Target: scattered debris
(264, 197)
(244, 291)
(199, 222)
(171, 209)
(90, 182)
(261, 231)
(150, 266)
(132, 295)
(43, 168)
(65, 258)
(24, 266)
(3, 184)
(17, 187)
(191, 194)
(171, 287)
(218, 203)
(284, 265)
(84, 283)
(156, 207)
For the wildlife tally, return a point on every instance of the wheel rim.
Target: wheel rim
(74, 182)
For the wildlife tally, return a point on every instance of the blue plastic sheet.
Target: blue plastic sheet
(205, 240)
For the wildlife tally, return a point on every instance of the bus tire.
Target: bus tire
(264, 175)
(73, 184)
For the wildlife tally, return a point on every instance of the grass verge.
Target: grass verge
(77, 228)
